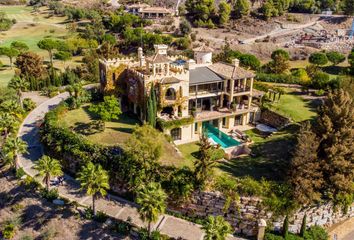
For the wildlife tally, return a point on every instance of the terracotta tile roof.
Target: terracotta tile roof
(170, 80)
(203, 48)
(155, 10)
(138, 5)
(159, 58)
(229, 71)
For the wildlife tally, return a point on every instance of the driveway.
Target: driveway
(113, 206)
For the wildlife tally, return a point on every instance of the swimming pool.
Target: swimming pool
(219, 137)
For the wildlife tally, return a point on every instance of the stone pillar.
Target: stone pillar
(249, 101)
(261, 229)
(220, 123)
(232, 85)
(251, 84)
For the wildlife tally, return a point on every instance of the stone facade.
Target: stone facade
(244, 215)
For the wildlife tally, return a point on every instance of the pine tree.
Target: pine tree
(335, 126)
(224, 12)
(305, 170)
(242, 8)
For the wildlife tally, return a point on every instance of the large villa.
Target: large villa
(214, 96)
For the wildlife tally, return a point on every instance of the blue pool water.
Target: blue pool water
(219, 137)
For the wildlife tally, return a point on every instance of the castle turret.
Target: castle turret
(141, 57)
(203, 54)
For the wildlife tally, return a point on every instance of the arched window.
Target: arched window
(176, 134)
(170, 94)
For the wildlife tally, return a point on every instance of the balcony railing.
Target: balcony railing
(204, 92)
(241, 89)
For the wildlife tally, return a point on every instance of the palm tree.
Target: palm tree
(7, 124)
(95, 181)
(13, 147)
(152, 201)
(48, 167)
(216, 228)
(19, 84)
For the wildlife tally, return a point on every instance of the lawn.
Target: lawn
(189, 152)
(269, 159)
(116, 133)
(294, 106)
(30, 28)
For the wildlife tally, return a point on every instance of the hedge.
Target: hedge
(72, 149)
(277, 78)
(163, 125)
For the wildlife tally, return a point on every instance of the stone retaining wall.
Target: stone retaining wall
(245, 215)
(274, 119)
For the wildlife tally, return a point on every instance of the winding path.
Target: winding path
(113, 206)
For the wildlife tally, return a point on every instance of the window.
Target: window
(176, 134)
(238, 120)
(195, 128)
(224, 122)
(170, 94)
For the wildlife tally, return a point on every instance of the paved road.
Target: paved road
(282, 31)
(112, 205)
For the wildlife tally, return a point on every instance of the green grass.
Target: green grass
(30, 28)
(116, 133)
(189, 152)
(269, 159)
(294, 106)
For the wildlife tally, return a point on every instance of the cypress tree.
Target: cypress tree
(305, 169)
(152, 107)
(303, 226)
(335, 126)
(286, 227)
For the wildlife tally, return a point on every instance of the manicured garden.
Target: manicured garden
(116, 132)
(293, 105)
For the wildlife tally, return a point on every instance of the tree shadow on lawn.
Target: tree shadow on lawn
(269, 159)
(122, 129)
(334, 70)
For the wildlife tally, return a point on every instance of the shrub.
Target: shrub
(316, 233)
(28, 104)
(320, 80)
(20, 173)
(249, 187)
(122, 227)
(278, 78)
(271, 236)
(320, 92)
(100, 217)
(318, 59)
(155, 235)
(30, 183)
(88, 213)
(17, 207)
(50, 195)
(163, 125)
(9, 231)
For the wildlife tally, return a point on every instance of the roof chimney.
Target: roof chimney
(236, 62)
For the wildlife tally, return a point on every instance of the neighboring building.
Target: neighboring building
(146, 11)
(191, 93)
